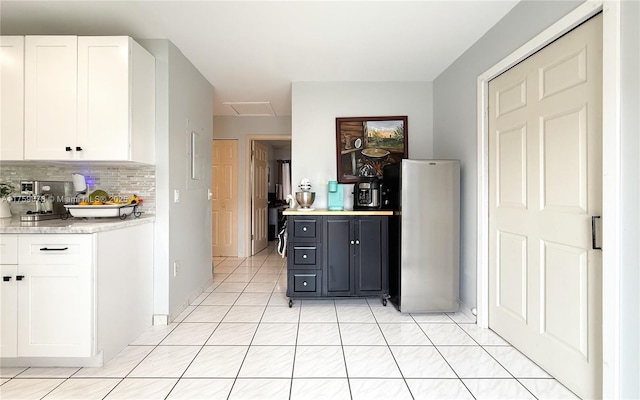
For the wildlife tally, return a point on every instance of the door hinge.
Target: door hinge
(252, 236)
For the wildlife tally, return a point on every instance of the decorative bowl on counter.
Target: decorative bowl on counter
(101, 211)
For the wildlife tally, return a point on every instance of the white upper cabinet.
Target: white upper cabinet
(107, 106)
(116, 99)
(11, 97)
(50, 97)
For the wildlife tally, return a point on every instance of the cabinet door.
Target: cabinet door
(12, 97)
(8, 311)
(54, 311)
(50, 97)
(103, 98)
(338, 255)
(371, 258)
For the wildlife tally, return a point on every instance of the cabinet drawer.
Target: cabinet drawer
(55, 249)
(305, 282)
(306, 228)
(305, 255)
(8, 249)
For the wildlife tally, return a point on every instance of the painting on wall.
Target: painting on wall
(364, 145)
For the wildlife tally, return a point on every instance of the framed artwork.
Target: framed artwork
(364, 145)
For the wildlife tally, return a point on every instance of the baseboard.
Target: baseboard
(95, 361)
(194, 295)
(160, 319)
(467, 311)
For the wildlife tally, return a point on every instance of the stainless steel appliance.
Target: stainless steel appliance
(41, 200)
(366, 193)
(424, 260)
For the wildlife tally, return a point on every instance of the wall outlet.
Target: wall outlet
(176, 268)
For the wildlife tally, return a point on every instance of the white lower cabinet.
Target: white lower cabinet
(9, 310)
(8, 296)
(47, 306)
(54, 311)
(72, 297)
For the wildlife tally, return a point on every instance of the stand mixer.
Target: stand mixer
(305, 197)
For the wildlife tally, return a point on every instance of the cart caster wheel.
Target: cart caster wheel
(290, 303)
(384, 302)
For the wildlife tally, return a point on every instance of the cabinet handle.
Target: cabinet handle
(68, 148)
(54, 249)
(304, 229)
(304, 283)
(6, 278)
(19, 277)
(304, 256)
(357, 242)
(352, 242)
(78, 148)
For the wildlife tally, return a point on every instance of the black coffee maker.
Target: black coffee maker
(366, 193)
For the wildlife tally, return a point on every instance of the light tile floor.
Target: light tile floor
(240, 340)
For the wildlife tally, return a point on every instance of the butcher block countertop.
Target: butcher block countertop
(324, 211)
(71, 225)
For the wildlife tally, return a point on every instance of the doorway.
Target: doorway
(258, 224)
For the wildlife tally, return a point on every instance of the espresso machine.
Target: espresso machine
(42, 200)
(366, 193)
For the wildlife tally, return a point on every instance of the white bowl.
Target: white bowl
(103, 211)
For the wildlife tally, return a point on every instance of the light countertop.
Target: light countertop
(324, 211)
(71, 225)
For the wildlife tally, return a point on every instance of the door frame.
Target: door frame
(610, 183)
(249, 181)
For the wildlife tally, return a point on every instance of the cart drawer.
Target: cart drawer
(304, 255)
(305, 282)
(305, 228)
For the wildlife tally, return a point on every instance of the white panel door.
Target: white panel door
(259, 215)
(103, 98)
(54, 311)
(545, 185)
(11, 98)
(50, 102)
(225, 198)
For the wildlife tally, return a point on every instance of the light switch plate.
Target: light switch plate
(176, 196)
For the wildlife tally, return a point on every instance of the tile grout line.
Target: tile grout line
(391, 351)
(344, 356)
(444, 358)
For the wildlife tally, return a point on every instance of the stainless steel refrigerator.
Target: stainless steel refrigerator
(425, 234)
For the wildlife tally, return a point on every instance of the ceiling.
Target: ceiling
(251, 51)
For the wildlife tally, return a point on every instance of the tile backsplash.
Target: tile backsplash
(117, 180)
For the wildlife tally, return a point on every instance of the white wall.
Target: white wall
(316, 105)
(238, 128)
(183, 230)
(455, 131)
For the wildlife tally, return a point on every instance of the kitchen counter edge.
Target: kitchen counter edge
(328, 212)
(71, 225)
